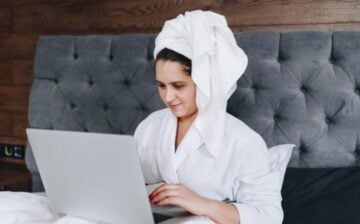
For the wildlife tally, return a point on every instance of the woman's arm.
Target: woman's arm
(180, 195)
(257, 190)
(221, 212)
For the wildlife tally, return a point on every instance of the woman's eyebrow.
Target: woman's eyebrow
(178, 82)
(173, 83)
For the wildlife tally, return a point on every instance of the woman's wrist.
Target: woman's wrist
(212, 207)
(221, 212)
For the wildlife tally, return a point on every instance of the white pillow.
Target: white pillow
(279, 157)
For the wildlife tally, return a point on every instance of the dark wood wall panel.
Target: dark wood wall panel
(13, 140)
(5, 20)
(5, 72)
(14, 98)
(294, 27)
(6, 123)
(17, 46)
(13, 124)
(20, 123)
(101, 16)
(17, 3)
(147, 16)
(22, 21)
(22, 72)
(291, 12)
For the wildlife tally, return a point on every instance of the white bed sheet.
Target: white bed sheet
(34, 208)
(31, 208)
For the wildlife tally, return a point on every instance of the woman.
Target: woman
(204, 156)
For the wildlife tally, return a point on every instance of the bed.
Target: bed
(300, 87)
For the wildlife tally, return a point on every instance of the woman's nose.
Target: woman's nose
(169, 95)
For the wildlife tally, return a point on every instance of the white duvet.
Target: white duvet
(30, 208)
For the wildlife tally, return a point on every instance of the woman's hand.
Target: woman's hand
(180, 195)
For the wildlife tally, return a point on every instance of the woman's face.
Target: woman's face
(177, 89)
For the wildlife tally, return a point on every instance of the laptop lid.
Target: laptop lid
(91, 175)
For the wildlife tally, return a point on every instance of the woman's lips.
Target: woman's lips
(174, 106)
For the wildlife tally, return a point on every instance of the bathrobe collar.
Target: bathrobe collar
(169, 159)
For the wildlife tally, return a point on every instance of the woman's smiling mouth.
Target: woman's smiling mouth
(174, 106)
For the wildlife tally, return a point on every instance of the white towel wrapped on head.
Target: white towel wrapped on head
(217, 63)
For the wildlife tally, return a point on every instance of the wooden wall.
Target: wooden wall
(22, 21)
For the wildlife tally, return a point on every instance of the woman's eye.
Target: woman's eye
(161, 86)
(178, 86)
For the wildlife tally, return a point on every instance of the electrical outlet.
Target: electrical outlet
(12, 151)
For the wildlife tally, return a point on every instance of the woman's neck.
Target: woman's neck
(183, 125)
(188, 120)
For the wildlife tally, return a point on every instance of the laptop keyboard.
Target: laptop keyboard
(160, 217)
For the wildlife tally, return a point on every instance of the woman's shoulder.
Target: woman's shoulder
(241, 133)
(157, 116)
(152, 120)
(235, 126)
(247, 148)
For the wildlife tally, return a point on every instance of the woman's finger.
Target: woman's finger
(162, 188)
(173, 200)
(164, 194)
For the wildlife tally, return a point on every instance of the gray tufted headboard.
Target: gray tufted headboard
(299, 87)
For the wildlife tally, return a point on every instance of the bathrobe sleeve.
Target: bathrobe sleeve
(139, 136)
(257, 193)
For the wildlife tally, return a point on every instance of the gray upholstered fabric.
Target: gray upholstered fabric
(299, 87)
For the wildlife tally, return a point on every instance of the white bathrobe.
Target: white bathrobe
(240, 172)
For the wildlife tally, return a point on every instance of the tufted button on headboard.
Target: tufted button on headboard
(299, 87)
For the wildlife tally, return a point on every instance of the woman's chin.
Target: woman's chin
(177, 114)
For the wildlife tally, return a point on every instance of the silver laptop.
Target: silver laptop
(93, 176)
